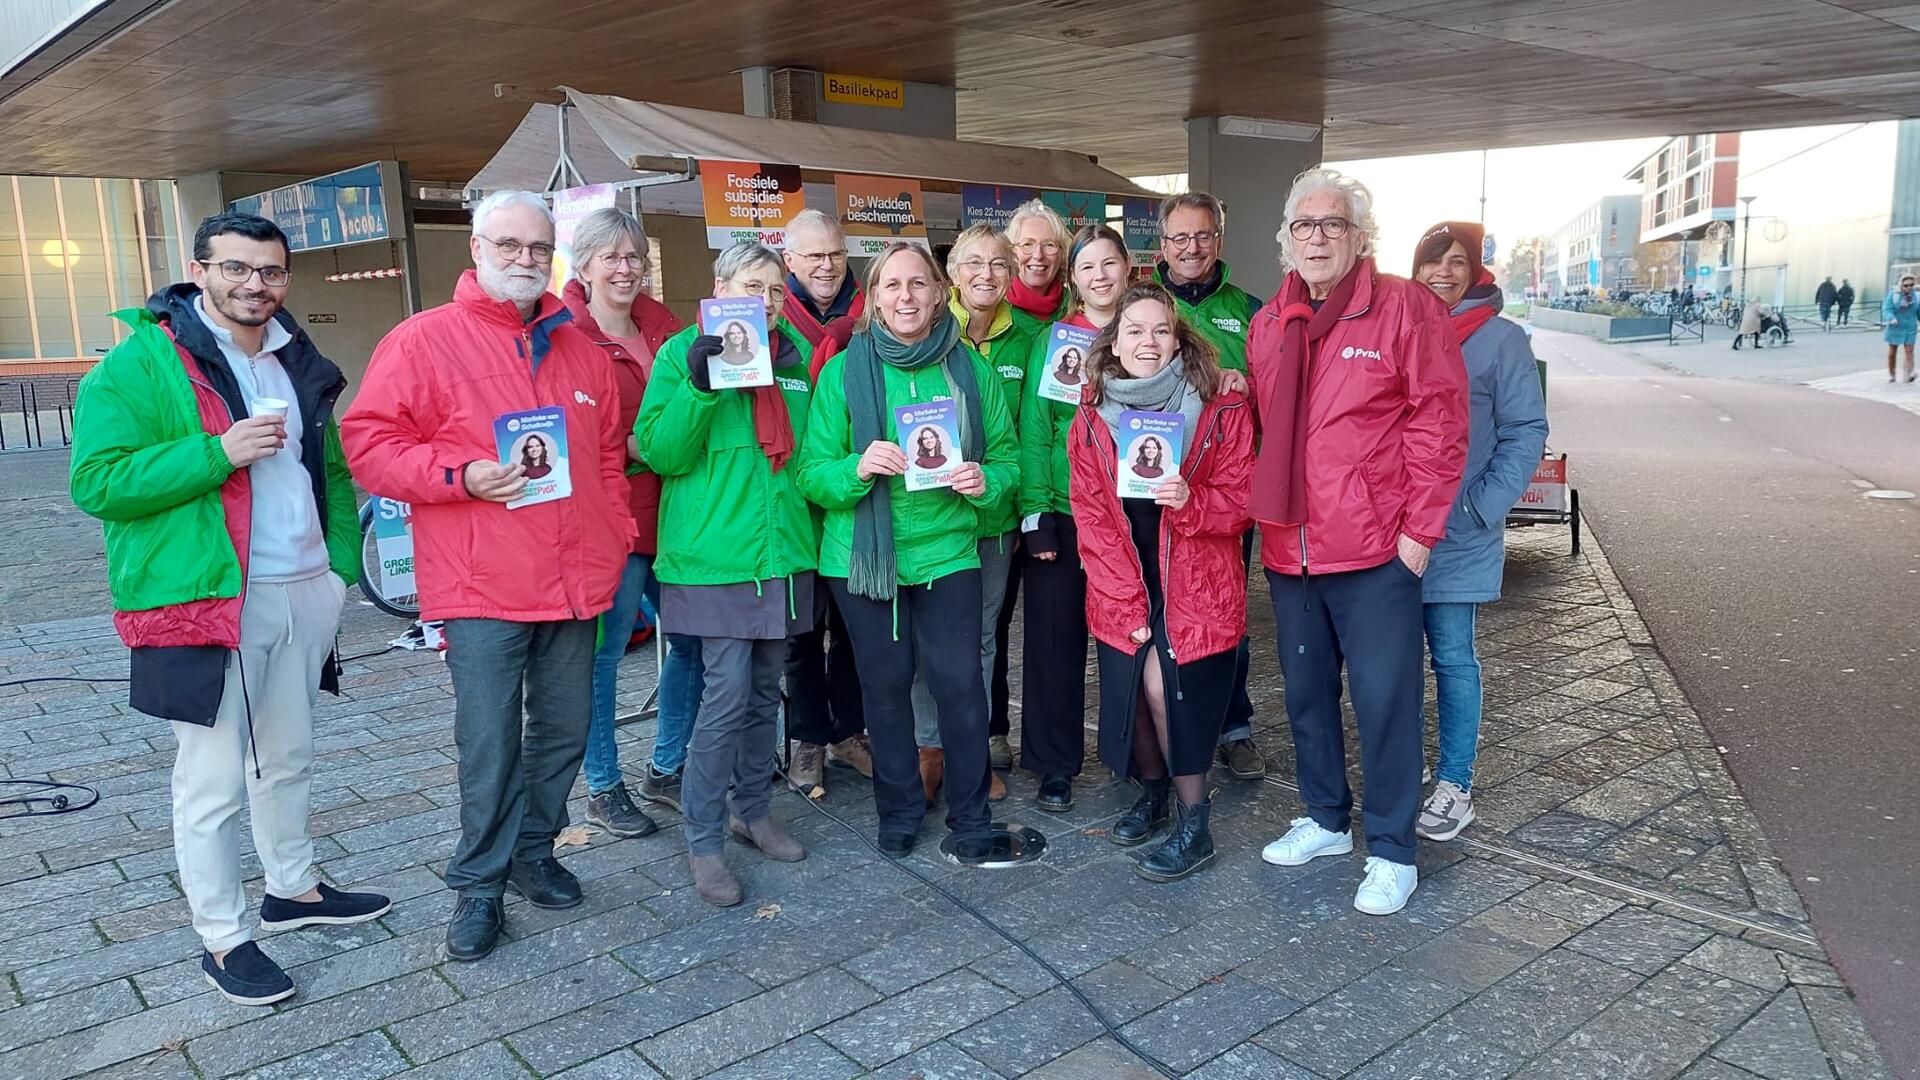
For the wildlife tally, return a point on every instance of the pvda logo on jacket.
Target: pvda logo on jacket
(1351, 352)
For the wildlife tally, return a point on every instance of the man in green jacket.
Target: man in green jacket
(205, 444)
(1192, 227)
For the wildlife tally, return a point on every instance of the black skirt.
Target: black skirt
(1198, 692)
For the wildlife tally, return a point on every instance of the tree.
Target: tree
(1523, 264)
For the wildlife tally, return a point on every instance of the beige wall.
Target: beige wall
(686, 264)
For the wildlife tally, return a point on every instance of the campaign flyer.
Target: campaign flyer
(536, 440)
(1149, 446)
(929, 434)
(1065, 372)
(740, 322)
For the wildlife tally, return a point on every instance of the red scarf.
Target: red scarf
(1465, 323)
(772, 424)
(1280, 471)
(1040, 305)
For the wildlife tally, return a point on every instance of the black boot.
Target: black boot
(474, 928)
(1149, 813)
(1188, 849)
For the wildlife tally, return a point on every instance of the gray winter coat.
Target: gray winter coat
(1507, 435)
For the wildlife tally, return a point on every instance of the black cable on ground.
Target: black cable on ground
(57, 799)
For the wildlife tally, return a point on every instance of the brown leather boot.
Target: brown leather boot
(714, 880)
(773, 841)
(933, 769)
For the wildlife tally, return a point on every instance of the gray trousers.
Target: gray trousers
(733, 738)
(515, 774)
(996, 561)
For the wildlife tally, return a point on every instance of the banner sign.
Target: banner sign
(348, 207)
(749, 200)
(876, 211)
(1142, 216)
(1547, 491)
(992, 204)
(570, 208)
(393, 542)
(860, 90)
(1077, 208)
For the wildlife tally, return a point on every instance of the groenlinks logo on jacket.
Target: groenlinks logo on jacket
(580, 397)
(1229, 324)
(1351, 352)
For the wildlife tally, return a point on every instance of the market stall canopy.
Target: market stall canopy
(617, 133)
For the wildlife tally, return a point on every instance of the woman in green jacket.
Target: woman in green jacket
(903, 564)
(1038, 291)
(736, 562)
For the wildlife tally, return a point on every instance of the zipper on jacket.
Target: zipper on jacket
(238, 657)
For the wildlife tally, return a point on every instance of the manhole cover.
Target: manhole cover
(1887, 493)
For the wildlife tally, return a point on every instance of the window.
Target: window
(16, 321)
(47, 257)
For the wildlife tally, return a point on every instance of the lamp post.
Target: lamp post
(1746, 229)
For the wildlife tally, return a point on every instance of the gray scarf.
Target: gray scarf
(1166, 390)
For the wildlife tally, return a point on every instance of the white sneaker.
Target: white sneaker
(1306, 841)
(1386, 888)
(1448, 810)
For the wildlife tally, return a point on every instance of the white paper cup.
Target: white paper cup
(268, 406)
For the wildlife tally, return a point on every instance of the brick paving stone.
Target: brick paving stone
(805, 1058)
(907, 1021)
(1648, 851)
(1106, 935)
(1250, 1061)
(1441, 1050)
(364, 1057)
(520, 1005)
(624, 1065)
(1843, 1033)
(1627, 1040)
(1569, 833)
(1352, 1025)
(1209, 1020)
(132, 1036)
(1468, 956)
(944, 1061)
(1708, 1068)
(1714, 1002)
(1779, 1044)
(1213, 946)
(1740, 960)
(70, 1012)
(1639, 940)
(488, 1061)
(631, 1017)
(63, 974)
(533, 955)
(1327, 957)
(1526, 925)
(1623, 800)
(295, 1030)
(1537, 1005)
(1462, 891)
(1102, 1059)
(759, 1023)
(1030, 1034)
(159, 1065)
(924, 954)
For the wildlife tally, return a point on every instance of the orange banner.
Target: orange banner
(749, 200)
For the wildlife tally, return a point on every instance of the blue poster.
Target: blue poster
(1142, 218)
(1077, 208)
(991, 204)
(328, 211)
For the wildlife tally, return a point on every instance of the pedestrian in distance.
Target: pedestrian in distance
(904, 566)
(608, 301)
(1507, 433)
(736, 566)
(1823, 298)
(1362, 399)
(1844, 298)
(1753, 322)
(1192, 230)
(519, 585)
(1166, 577)
(1899, 313)
(205, 444)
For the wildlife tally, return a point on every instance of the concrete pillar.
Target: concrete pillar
(201, 196)
(1251, 175)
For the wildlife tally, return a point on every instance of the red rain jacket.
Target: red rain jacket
(435, 386)
(1202, 574)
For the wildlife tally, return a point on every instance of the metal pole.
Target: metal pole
(1746, 232)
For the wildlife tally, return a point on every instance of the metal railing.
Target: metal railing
(20, 405)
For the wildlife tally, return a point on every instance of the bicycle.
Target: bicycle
(388, 523)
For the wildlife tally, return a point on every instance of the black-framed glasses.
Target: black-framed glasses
(510, 249)
(1181, 241)
(273, 277)
(1333, 228)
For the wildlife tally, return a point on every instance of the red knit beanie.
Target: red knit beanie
(1471, 236)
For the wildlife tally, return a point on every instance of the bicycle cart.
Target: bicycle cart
(1549, 499)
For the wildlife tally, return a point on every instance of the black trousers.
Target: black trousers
(1239, 722)
(935, 628)
(1371, 623)
(1053, 687)
(823, 682)
(1001, 696)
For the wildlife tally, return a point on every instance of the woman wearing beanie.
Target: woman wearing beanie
(736, 563)
(1506, 435)
(904, 566)
(1054, 647)
(1166, 580)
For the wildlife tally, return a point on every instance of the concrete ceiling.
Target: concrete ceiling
(174, 87)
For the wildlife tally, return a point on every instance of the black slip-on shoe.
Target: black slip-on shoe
(248, 976)
(334, 908)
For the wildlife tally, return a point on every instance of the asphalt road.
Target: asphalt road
(1788, 606)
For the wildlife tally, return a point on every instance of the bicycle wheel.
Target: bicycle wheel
(372, 574)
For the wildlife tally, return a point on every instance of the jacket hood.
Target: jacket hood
(309, 369)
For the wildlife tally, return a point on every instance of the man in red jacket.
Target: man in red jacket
(1362, 400)
(518, 562)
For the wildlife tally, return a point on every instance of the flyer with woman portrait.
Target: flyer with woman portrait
(929, 434)
(1149, 447)
(536, 440)
(740, 322)
(1065, 371)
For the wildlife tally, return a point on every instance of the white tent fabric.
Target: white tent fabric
(617, 131)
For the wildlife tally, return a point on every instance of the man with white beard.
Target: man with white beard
(518, 550)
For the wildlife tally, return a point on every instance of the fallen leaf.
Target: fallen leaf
(767, 911)
(819, 792)
(1093, 832)
(1217, 980)
(172, 1045)
(573, 836)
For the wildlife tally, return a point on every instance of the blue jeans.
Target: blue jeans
(1456, 677)
(602, 765)
(682, 681)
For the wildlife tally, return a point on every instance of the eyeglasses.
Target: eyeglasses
(1181, 241)
(273, 277)
(829, 257)
(613, 262)
(1046, 247)
(510, 249)
(1333, 228)
(977, 266)
(762, 289)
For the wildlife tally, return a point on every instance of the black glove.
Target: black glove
(1044, 539)
(704, 348)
